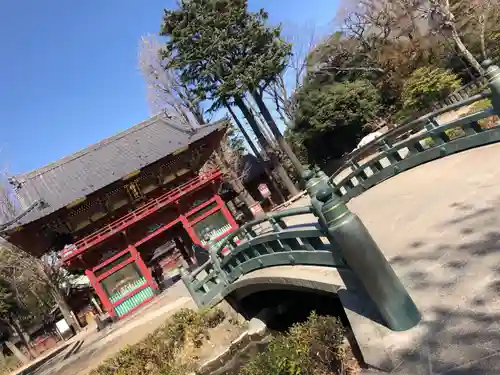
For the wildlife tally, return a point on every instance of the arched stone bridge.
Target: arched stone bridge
(438, 226)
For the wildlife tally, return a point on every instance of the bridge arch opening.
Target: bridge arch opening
(288, 305)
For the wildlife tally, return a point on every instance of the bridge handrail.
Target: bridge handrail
(278, 215)
(340, 239)
(264, 237)
(404, 128)
(449, 125)
(244, 229)
(441, 143)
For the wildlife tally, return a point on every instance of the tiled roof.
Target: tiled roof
(77, 175)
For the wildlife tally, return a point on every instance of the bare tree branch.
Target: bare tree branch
(19, 268)
(303, 40)
(441, 18)
(327, 68)
(165, 90)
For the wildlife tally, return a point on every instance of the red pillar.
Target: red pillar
(100, 292)
(226, 212)
(189, 229)
(142, 267)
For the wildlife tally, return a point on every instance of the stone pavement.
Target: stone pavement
(439, 226)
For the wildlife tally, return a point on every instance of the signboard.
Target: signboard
(64, 329)
(256, 209)
(62, 326)
(264, 191)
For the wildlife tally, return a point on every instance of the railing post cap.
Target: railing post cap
(491, 70)
(321, 174)
(487, 63)
(307, 174)
(324, 194)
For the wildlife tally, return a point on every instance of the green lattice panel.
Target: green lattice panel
(134, 301)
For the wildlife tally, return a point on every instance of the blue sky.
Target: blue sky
(69, 75)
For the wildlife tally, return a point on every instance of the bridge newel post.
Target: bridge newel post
(492, 73)
(188, 282)
(366, 260)
(214, 258)
(316, 182)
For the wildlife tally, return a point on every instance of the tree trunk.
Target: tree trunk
(481, 37)
(261, 122)
(289, 185)
(65, 309)
(17, 353)
(16, 326)
(467, 54)
(2, 356)
(256, 152)
(234, 180)
(276, 132)
(243, 131)
(58, 297)
(56, 293)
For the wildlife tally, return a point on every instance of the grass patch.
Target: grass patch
(481, 105)
(452, 133)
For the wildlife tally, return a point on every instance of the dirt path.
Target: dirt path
(87, 352)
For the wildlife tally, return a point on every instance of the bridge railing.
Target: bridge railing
(435, 142)
(417, 142)
(464, 92)
(267, 241)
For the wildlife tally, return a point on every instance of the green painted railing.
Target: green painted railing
(268, 241)
(134, 301)
(433, 142)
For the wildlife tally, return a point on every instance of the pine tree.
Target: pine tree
(224, 52)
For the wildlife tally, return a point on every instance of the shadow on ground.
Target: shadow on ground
(58, 355)
(457, 287)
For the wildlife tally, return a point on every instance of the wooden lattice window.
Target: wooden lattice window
(134, 190)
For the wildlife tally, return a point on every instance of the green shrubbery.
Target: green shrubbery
(165, 351)
(330, 118)
(310, 348)
(424, 87)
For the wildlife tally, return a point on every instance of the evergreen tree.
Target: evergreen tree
(224, 52)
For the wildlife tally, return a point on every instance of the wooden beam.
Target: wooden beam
(76, 202)
(131, 174)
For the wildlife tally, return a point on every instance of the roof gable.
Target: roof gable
(84, 172)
